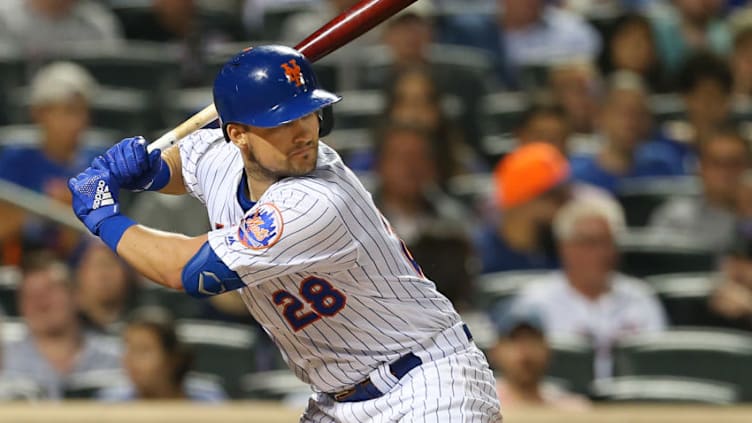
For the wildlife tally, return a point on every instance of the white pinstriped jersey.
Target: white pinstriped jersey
(324, 274)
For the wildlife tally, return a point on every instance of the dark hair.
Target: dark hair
(161, 323)
(704, 66)
(727, 131)
(383, 132)
(42, 260)
(538, 110)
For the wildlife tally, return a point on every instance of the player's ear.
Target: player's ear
(237, 134)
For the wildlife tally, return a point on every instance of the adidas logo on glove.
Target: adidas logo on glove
(102, 197)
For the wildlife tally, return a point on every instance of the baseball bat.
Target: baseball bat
(344, 28)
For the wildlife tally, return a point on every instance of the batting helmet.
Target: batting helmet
(269, 86)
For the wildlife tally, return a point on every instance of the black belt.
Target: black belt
(366, 390)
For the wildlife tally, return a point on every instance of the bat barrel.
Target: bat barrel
(351, 24)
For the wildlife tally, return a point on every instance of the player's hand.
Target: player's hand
(131, 166)
(95, 195)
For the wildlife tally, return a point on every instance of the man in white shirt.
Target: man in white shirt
(588, 297)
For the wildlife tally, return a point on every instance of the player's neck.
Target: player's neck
(257, 185)
(58, 151)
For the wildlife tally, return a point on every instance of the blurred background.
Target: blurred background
(575, 175)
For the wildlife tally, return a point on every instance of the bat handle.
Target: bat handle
(194, 123)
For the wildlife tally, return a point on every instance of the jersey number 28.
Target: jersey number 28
(324, 299)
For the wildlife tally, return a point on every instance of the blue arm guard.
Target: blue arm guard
(206, 275)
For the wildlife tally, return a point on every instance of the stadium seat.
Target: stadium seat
(649, 252)
(500, 286)
(666, 107)
(87, 385)
(15, 389)
(124, 109)
(180, 305)
(10, 276)
(640, 197)
(222, 349)
(704, 353)
(664, 389)
(572, 361)
(272, 385)
(28, 136)
(12, 74)
(684, 295)
(501, 111)
(358, 109)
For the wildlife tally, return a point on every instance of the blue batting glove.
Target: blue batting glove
(95, 195)
(131, 166)
(95, 202)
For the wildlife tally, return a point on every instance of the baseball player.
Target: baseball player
(299, 238)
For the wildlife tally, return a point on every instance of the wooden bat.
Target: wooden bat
(344, 28)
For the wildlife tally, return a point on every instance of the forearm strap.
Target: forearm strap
(112, 229)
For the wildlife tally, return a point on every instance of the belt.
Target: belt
(366, 390)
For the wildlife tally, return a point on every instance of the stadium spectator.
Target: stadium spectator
(709, 220)
(576, 87)
(157, 363)
(419, 212)
(630, 46)
(532, 183)
(624, 125)
(730, 304)
(706, 84)
(46, 27)
(406, 41)
(588, 297)
(414, 97)
(741, 60)
(526, 33)
(60, 97)
(56, 348)
(180, 22)
(522, 354)
(104, 287)
(547, 124)
(686, 26)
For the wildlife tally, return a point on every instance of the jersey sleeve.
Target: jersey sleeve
(193, 148)
(288, 233)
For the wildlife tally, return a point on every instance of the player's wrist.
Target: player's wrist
(111, 229)
(161, 178)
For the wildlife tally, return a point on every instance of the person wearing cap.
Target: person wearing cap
(588, 296)
(521, 354)
(625, 151)
(532, 183)
(730, 304)
(60, 96)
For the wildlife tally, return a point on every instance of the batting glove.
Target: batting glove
(132, 167)
(95, 202)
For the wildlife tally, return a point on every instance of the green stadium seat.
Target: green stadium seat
(684, 296)
(661, 389)
(222, 349)
(180, 305)
(501, 286)
(272, 385)
(640, 197)
(703, 353)
(501, 112)
(572, 361)
(649, 252)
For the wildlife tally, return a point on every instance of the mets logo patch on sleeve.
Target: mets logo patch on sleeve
(261, 227)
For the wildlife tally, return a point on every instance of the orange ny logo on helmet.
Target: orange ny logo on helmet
(292, 72)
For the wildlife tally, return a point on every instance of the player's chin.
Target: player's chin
(302, 164)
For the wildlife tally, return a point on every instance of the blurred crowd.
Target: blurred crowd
(575, 175)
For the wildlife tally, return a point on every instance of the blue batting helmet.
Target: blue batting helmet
(268, 86)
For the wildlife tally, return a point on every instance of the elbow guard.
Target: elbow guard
(206, 275)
